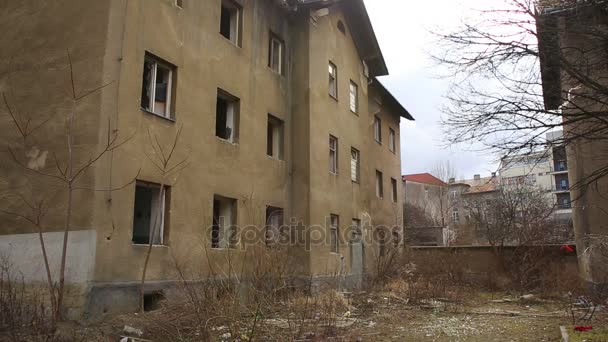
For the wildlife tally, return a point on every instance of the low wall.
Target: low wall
(24, 254)
(483, 266)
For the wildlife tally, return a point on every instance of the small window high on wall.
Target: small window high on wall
(158, 87)
(379, 185)
(377, 129)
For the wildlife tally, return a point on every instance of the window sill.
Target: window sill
(275, 158)
(233, 43)
(148, 245)
(225, 141)
(158, 115)
(333, 173)
(355, 182)
(354, 112)
(378, 142)
(276, 73)
(334, 97)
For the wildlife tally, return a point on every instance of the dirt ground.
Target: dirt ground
(385, 317)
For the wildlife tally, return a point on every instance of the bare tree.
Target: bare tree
(519, 72)
(163, 160)
(445, 171)
(517, 222)
(69, 172)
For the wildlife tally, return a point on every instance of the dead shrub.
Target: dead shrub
(24, 316)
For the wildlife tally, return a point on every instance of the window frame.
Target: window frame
(238, 21)
(235, 102)
(392, 137)
(179, 4)
(165, 197)
(334, 233)
(379, 184)
(169, 112)
(357, 166)
(333, 75)
(279, 125)
(394, 190)
(230, 233)
(378, 129)
(356, 97)
(333, 152)
(282, 53)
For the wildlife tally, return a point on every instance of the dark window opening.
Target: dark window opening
(230, 21)
(341, 27)
(223, 231)
(274, 137)
(227, 113)
(150, 214)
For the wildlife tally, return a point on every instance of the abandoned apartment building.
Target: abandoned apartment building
(279, 119)
(567, 36)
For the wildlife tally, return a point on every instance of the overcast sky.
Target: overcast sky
(402, 31)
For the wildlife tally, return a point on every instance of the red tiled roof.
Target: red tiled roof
(425, 178)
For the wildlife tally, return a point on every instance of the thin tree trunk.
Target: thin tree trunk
(155, 223)
(68, 218)
(48, 270)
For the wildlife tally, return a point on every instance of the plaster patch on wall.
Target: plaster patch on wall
(37, 158)
(25, 255)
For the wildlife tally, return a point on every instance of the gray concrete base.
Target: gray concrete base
(107, 299)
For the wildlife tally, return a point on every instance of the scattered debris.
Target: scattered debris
(132, 331)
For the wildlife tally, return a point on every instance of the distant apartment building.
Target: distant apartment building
(461, 194)
(425, 210)
(281, 123)
(546, 169)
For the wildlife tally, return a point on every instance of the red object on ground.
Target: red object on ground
(567, 248)
(583, 328)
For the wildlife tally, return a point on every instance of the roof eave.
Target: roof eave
(404, 113)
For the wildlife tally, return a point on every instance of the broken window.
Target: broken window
(354, 97)
(333, 154)
(223, 232)
(276, 54)
(394, 189)
(226, 116)
(274, 226)
(334, 228)
(333, 80)
(354, 164)
(377, 129)
(149, 213)
(274, 137)
(230, 21)
(379, 188)
(157, 95)
(391, 140)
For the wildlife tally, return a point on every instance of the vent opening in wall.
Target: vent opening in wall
(341, 27)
